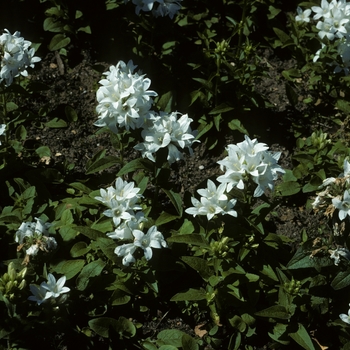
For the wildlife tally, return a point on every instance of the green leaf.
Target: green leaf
(52, 25)
(136, 164)
(107, 245)
(198, 264)
(285, 38)
(89, 232)
(165, 102)
(188, 343)
(236, 124)
(164, 217)
(71, 114)
(221, 109)
(11, 106)
(119, 297)
(301, 336)
(56, 123)
(103, 325)
(191, 294)
(168, 347)
(302, 260)
(92, 269)
(43, 151)
(79, 249)
(58, 41)
(341, 280)
(171, 337)
(192, 238)
(288, 188)
(102, 164)
(69, 268)
(343, 106)
(292, 95)
(175, 199)
(275, 311)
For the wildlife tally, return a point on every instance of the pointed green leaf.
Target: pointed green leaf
(192, 238)
(90, 270)
(175, 199)
(191, 294)
(198, 264)
(89, 232)
(302, 337)
(275, 311)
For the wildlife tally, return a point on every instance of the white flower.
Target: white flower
(342, 205)
(54, 289)
(326, 28)
(345, 318)
(152, 239)
(39, 293)
(16, 56)
(323, 11)
(213, 201)
(123, 99)
(335, 254)
(165, 130)
(33, 250)
(250, 159)
(303, 16)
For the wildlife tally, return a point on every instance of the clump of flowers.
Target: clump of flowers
(333, 24)
(250, 160)
(123, 99)
(49, 290)
(214, 201)
(158, 7)
(167, 131)
(34, 236)
(16, 56)
(122, 201)
(345, 318)
(335, 195)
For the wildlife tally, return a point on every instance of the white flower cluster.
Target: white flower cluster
(159, 8)
(213, 201)
(250, 159)
(165, 130)
(125, 101)
(48, 290)
(333, 23)
(336, 194)
(34, 236)
(122, 201)
(16, 56)
(247, 159)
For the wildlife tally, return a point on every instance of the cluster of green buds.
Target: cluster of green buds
(12, 282)
(220, 248)
(319, 139)
(292, 287)
(221, 48)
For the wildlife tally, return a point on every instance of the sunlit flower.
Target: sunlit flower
(250, 159)
(123, 98)
(342, 205)
(54, 289)
(16, 56)
(166, 131)
(213, 201)
(152, 239)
